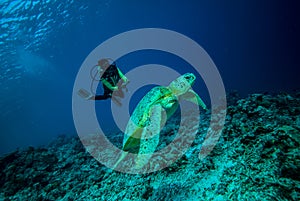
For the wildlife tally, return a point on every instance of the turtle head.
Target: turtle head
(182, 84)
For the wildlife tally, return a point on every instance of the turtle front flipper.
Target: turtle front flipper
(193, 97)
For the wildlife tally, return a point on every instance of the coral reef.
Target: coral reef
(256, 158)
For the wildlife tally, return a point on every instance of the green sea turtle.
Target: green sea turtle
(142, 131)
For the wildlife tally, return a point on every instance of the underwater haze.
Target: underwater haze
(246, 147)
(254, 45)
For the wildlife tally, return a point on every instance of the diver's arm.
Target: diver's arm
(106, 83)
(122, 76)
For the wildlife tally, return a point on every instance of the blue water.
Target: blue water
(254, 44)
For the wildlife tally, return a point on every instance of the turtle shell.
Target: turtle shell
(143, 115)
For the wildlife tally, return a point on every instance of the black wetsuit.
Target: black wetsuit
(112, 76)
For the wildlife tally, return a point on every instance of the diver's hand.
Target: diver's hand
(125, 80)
(115, 88)
(124, 83)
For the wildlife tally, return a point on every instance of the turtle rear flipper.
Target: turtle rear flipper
(132, 143)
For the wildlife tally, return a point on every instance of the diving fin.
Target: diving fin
(84, 94)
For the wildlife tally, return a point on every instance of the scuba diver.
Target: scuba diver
(113, 81)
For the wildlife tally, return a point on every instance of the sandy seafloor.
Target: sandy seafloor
(256, 158)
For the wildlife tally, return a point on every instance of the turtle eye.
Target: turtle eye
(189, 77)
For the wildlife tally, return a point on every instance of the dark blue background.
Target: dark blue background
(254, 44)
